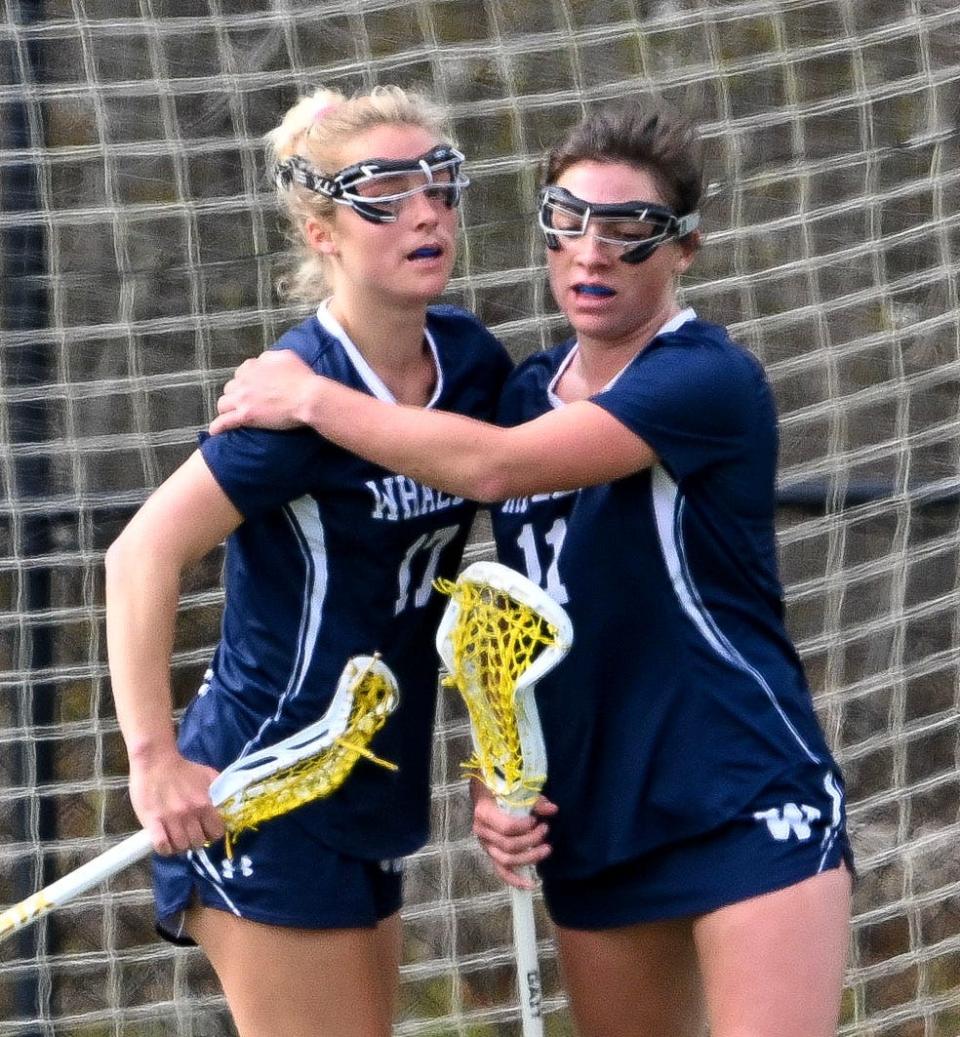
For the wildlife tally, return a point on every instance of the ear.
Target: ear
(319, 236)
(689, 247)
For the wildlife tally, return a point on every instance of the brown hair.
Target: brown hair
(315, 129)
(649, 136)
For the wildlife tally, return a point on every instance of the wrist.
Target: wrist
(309, 407)
(149, 750)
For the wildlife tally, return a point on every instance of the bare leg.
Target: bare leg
(301, 982)
(635, 981)
(773, 965)
(389, 955)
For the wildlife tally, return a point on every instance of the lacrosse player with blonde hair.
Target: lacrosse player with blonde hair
(696, 863)
(328, 556)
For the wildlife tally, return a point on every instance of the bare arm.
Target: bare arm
(577, 445)
(180, 523)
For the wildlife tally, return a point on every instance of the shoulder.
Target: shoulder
(704, 354)
(456, 328)
(453, 321)
(463, 342)
(693, 384)
(309, 340)
(702, 343)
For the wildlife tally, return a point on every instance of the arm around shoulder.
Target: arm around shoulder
(574, 446)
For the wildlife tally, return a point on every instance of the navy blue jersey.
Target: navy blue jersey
(682, 698)
(336, 556)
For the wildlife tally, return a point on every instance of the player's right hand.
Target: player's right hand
(512, 843)
(263, 393)
(171, 798)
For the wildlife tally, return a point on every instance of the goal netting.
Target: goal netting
(138, 243)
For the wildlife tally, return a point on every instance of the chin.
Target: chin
(431, 287)
(420, 295)
(598, 327)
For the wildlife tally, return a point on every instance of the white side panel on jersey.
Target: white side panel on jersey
(668, 505)
(304, 518)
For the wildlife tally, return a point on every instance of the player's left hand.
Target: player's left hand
(264, 393)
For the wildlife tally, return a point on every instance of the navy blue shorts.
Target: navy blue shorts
(768, 847)
(278, 875)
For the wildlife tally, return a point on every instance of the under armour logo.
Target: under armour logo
(230, 868)
(789, 818)
(205, 685)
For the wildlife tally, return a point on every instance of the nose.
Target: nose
(423, 210)
(590, 252)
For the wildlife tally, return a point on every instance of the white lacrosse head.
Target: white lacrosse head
(309, 741)
(509, 581)
(501, 578)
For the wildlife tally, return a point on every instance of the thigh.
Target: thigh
(773, 965)
(389, 955)
(301, 982)
(634, 981)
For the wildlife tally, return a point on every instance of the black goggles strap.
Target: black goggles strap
(297, 170)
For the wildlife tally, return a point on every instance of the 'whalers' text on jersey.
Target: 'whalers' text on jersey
(336, 557)
(682, 698)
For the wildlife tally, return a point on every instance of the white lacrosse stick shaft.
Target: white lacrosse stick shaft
(231, 781)
(507, 581)
(525, 949)
(132, 849)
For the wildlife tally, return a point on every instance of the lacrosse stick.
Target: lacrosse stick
(308, 765)
(499, 635)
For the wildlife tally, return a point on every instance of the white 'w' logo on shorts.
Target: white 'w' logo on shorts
(781, 821)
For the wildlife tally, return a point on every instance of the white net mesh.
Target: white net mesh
(139, 244)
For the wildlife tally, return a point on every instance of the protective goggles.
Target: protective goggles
(376, 188)
(638, 229)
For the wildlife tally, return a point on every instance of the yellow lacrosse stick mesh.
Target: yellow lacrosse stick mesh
(500, 633)
(308, 765)
(316, 761)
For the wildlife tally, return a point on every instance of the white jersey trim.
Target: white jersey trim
(832, 833)
(668, 504)
(369, 377)
(677, 321)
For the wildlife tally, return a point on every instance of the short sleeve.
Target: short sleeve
(695, 405)
(260, 470)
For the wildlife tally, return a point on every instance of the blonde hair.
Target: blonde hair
(315, 129)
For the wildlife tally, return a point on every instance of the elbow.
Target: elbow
(113, 559)
(488, 491)
(118, 560)
(491, 484)
(485, 469)
(131, 559)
